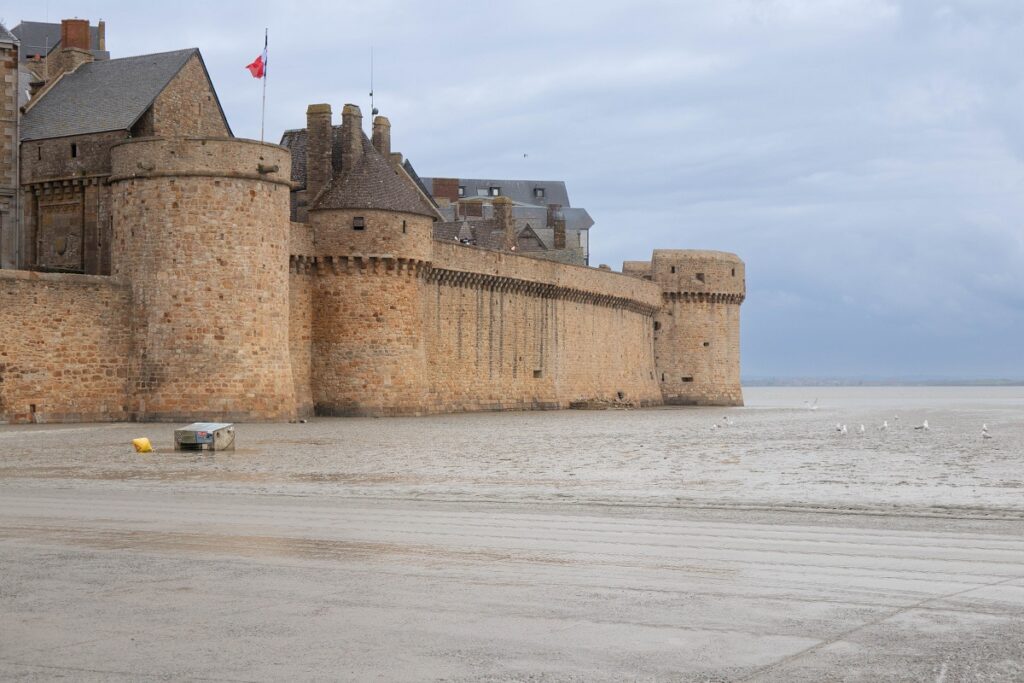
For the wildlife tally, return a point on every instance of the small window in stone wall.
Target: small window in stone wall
(707, 344)
(673, 269)
(700, 277)
(358, 223)
(734, 272)
(537, 374)
(39, 153)
(74, 150)
(621, 395)
(403, 227)
(688, 378)
(657, 326)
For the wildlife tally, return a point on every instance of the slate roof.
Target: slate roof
(480, 233)
(6, 36)
(295, 140)
(40, 38)
(520, 191)
(102, 96)
(373, 183)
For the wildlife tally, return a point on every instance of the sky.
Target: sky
(864, 157)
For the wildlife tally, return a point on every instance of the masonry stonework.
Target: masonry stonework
(201, 234)
(220, 307)
(66, 348)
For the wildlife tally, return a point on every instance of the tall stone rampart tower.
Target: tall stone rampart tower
(201, 236)
(372, 236)
(697, 330)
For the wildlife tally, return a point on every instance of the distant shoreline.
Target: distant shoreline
(854, 382)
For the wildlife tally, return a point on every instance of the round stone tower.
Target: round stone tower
(372, 235)
(697, 330)
(200, 231)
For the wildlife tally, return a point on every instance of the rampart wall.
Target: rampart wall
(512, 332)
(65, 350)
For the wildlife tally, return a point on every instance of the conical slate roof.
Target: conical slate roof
(371, 182)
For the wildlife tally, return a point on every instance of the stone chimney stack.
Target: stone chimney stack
(351, 135)
(319, 136)
(382, 136)
(507, 225)
(101, 30)
(74, 46)
(556, 221)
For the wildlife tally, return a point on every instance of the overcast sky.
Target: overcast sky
(864, 157)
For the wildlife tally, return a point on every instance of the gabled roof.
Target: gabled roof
(41, 38)
(373, 183)
(6, 36)
(103, 96)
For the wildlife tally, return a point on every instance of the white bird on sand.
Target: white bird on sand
(884, 426)
(811, 406)
(842, 430)
(984, 427)
(923, 425)
(727, 420)
(860, 429)
(984, 432)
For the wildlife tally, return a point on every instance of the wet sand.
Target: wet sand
(604, 545)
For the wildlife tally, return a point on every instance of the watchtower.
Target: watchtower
(697, 330)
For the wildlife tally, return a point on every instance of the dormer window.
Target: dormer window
(538, 192)
(462, 190)
(358, 223)
(494, 191)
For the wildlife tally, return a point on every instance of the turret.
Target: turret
(697, 331)
(372, 236)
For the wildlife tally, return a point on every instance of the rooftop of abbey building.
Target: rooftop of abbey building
(365, 179)
(104, 95)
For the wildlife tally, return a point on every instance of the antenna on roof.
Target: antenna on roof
(373, 109)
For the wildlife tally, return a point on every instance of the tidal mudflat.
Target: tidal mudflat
(680, 544)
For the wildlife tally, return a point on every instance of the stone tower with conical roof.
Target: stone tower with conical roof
(372, 232)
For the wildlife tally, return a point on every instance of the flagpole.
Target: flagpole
(263, 111)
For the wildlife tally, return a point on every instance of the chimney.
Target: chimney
(556, 221)
(506, 224)
(318, 149)
(101, 31)
(351, 135)
(74, 47)
(382, 136)
(74, 33)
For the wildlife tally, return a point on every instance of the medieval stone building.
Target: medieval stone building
(172, 272)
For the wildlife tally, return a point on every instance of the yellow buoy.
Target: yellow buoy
(142, 445)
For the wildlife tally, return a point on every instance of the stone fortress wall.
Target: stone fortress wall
(218, 307)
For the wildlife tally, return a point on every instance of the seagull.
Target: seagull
(884, 426)
(896, 421)
(984, 427)
(861, 429)
(811, 406)
(727, 420)
(843, 430)
(985, 435)
(923, 425)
